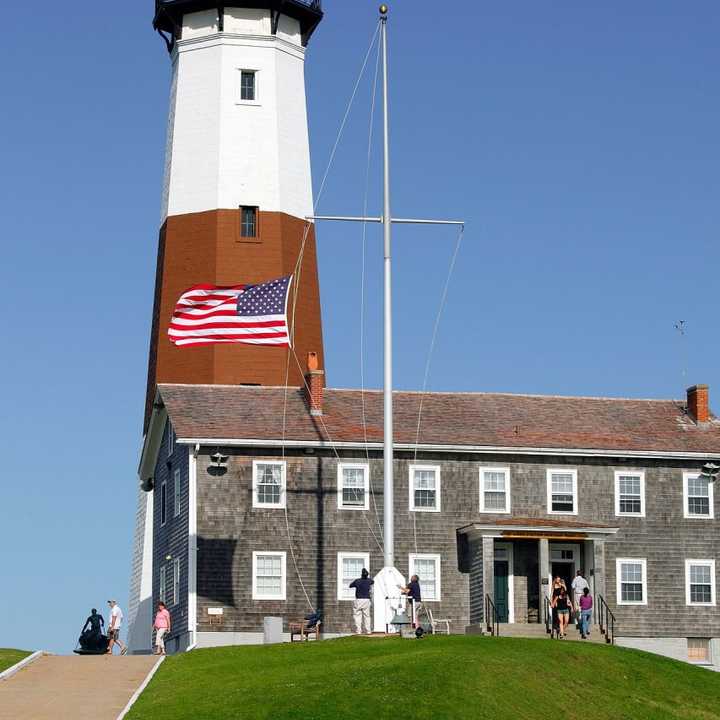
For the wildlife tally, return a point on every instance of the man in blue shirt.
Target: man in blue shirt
(413, 593)
(361, 604)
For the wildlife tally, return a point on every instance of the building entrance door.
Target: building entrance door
(565, 570)
(502, 590)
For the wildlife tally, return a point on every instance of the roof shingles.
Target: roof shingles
(458, 419)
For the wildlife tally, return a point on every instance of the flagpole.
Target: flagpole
(388, 487)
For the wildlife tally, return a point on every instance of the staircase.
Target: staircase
(55, 687)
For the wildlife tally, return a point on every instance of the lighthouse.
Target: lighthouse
(237, 185)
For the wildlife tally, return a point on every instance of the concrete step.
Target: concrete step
(94, 687)
(534, 630)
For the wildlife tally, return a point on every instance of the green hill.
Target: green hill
(9, 657)
(436, 677)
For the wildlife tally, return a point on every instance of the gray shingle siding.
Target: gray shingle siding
(230, 529)
(171, 539)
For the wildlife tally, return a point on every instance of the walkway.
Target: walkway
(55, 687)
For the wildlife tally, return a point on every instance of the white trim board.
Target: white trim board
(9, 672)
(142, 687)
(478, 449)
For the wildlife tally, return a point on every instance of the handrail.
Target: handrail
(492, 620)
(606, 620)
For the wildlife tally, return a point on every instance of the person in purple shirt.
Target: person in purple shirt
(586, 604)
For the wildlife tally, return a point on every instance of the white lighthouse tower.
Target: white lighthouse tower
(236, 195)
(237, 185)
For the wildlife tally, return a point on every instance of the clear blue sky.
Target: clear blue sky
(579, 141)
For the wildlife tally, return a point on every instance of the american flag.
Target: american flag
(253, 314)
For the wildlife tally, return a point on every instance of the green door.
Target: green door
(502, 590)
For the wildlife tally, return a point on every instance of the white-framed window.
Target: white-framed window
(247, 93)
(700, 582)
(427, 567)
(699, 650)
(268, 484)
(562, 492)
(353, 486)
(630, 493)
(349, 568)
(176, 581)
(495, 489)
(697, 496)
(268, 575)
(631, 581)
(163, 503)
(170, 439)
(176, 493)
(162, 593)
(425, 488)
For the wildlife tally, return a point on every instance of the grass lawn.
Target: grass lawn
(9, 657)
(437, 677)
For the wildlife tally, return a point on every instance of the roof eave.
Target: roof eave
(475, 449)
(152, 442)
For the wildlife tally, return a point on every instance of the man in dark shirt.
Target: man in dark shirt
(413, 593)
(361, 604)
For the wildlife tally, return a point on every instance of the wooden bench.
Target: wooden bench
(300, 631)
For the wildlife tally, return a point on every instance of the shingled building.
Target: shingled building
(494, 494)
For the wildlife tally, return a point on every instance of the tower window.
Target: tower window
(248, 222)
(247, 85)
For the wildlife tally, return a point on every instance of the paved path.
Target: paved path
(55, 687)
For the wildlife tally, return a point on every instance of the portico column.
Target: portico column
(488, 566)
(599, 585)
(543, 571)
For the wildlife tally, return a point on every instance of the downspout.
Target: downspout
(192, 546)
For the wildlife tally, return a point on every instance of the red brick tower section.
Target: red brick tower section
(206, 248)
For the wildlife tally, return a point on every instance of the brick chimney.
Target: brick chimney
(697, 403)
(314, 380)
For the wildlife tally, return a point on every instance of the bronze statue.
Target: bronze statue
(92, 639)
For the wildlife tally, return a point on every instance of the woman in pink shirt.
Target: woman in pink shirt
(161, 626)
(585, 603)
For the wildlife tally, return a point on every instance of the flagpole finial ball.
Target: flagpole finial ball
(383, 9)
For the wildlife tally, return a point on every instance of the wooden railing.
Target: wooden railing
(606, 620)
(492, 620)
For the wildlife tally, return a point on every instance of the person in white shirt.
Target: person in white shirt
(578, 585)
(116, 618)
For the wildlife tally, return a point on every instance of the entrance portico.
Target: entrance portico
(512, 562)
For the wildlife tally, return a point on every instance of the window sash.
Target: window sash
(350, 567)
(269, 484)
(353, 486)
(562, 491)
(424, 488)
(631, 581)
(269, 575)
(247, 85)
(700, 579)
(698, 493)
(163, 503)
(176, 581)
(176, 493)
(629, 493)
(248, 222)
(162, 590)
(427, 568)
(495, 490)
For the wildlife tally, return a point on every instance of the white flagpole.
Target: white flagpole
(388, 488)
